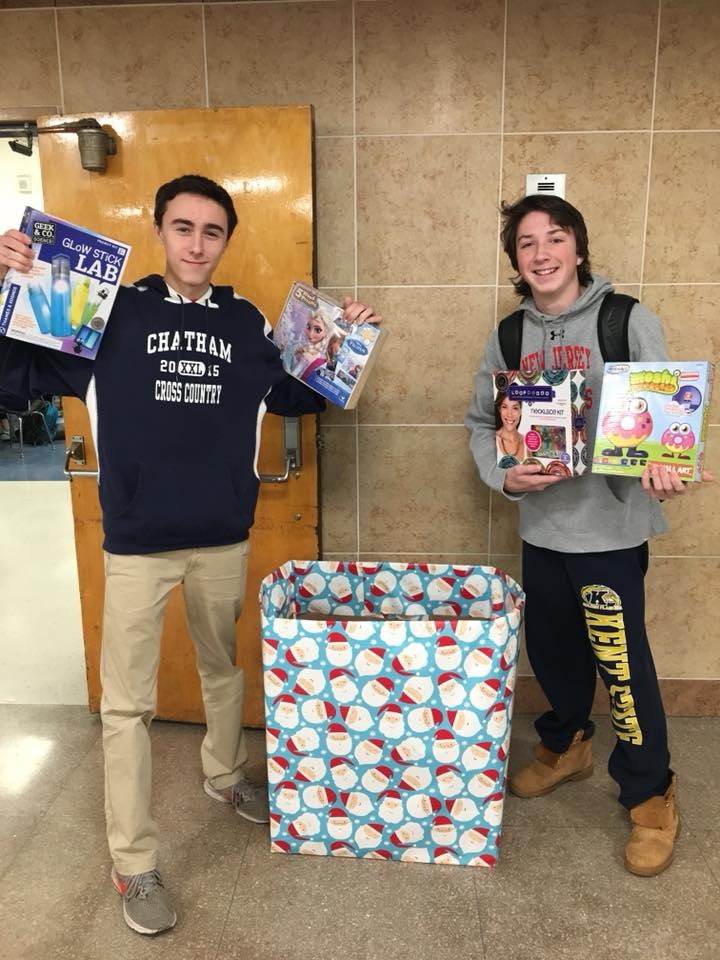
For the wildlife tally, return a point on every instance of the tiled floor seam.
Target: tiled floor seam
(689, 835)
(481, 924)
(67, 779)
(231, 900)
(13, 857)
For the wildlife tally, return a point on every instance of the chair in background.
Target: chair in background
(21, 417)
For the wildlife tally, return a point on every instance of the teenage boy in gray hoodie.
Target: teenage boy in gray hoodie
(584, 542)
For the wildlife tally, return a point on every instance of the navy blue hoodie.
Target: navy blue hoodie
(176, 397)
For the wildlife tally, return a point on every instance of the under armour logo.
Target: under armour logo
(557, 334)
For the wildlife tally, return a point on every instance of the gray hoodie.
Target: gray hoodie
(591, 512)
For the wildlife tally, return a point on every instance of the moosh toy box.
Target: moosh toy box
(653, 413)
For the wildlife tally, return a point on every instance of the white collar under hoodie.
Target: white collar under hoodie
(590, 512)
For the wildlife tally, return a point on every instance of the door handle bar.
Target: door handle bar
(76, 453)
(278, 477)
(292, 442)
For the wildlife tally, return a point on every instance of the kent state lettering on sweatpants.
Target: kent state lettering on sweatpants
(586, 610)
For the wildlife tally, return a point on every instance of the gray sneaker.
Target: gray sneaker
(248, 797)
(146, 905)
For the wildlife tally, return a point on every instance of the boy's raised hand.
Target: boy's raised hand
(529, 478)
(15, 251)
(356, 312)
(661, 483)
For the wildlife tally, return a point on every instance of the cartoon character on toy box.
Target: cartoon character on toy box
(653, 413)
(64, 302)
(324, 351)
(388, 738)
(540, 419)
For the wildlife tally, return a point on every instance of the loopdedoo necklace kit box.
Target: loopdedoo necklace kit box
(540, 419)
(64, 302)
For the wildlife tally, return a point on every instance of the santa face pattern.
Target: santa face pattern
(387, 736)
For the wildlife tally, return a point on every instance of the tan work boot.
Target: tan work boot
(656, 826)
(548, 770)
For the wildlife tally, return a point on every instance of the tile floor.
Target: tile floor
(44, 462)
(559, 892)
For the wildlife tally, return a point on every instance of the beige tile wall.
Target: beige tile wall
(427, 113)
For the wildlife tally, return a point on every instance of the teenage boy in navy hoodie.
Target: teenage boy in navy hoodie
(169, 515)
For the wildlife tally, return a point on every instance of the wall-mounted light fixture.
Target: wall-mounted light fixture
(24, 148)
(94, 143)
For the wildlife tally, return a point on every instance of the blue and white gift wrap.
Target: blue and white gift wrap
(388, 738)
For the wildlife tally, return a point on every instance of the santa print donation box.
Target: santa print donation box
(388, 699)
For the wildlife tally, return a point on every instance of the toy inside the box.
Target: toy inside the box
(388, 736)
(540, 419)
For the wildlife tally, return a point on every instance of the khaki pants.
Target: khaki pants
(136, 592)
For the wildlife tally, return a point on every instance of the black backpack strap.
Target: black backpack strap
(510, 336)
(612, 326)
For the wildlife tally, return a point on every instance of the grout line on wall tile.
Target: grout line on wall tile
(355, 259)
(424, 286)
(502, 157)
(507, 286)
(429, 134)
(514, 133)
(434, 426)
(119, 4)
(59, 60)
(251, 3)
(572, 133)
(650, 150)
(685, 556)
(659, 133)
(205, 56)
(166, 3)
(498, 220)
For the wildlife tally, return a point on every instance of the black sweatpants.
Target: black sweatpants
(585, 612)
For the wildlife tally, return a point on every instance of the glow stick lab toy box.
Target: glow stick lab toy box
(64, 302)
(540, 419)
(388, 699)
(653, 413)
(332, 357)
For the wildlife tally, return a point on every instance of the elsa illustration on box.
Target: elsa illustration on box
(304, 357)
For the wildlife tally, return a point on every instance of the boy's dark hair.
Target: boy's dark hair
(199, 186)
(560, 212)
